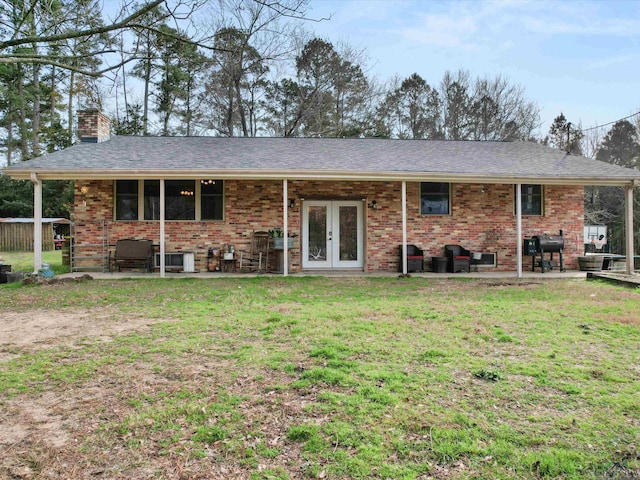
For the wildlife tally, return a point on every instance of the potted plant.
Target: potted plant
(277, 235)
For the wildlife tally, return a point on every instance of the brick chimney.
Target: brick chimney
(93, 126)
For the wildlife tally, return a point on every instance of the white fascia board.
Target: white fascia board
(326, 175)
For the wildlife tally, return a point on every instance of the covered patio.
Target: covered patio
(354, 205)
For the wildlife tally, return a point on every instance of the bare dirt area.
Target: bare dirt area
(43, 328)
(67, 431)
(40, 434)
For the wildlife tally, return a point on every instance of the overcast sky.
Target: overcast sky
(577, 57)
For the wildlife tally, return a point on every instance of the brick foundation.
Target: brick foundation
(482, 219)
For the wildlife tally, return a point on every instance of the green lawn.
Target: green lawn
(294, 378)
(23, 261)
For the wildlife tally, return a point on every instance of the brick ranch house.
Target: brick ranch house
(349, 202)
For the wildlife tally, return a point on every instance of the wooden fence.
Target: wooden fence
(18, 237)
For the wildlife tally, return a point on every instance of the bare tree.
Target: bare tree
(250, 38)
(591, 140)
(500, 111)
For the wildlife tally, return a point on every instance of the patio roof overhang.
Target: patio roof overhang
(327, 175)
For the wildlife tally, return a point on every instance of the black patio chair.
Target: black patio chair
(458, 258)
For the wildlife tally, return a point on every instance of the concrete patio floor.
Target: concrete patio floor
(615, 277)
(549, 275)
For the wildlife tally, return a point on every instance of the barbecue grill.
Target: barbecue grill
(541, 244)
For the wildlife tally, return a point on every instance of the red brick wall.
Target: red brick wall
(482, 219)
(93, 123)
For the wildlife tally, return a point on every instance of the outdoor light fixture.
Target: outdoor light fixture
(374, 205)
(84, 190)
(292, 203)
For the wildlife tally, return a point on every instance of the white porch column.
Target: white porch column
(285, 227)
(162, 249)
(37, 222)
(404, 227)
(628, 227)
(519, 228)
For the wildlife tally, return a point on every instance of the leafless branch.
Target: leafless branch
(125, 23)
(292, 11)
(43, 60)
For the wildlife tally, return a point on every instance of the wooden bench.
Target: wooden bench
(131, 253)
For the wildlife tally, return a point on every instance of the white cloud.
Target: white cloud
(472, 24)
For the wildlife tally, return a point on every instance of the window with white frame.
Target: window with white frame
(435, 198)
(184, 199)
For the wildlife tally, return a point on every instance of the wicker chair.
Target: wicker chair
(458, 258)
(415, 259)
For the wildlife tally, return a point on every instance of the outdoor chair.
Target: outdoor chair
(131, 253)
(458, 258)
(415, 259)
(258, 258)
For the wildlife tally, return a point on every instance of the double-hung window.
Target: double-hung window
(184, 199)
(435, 198)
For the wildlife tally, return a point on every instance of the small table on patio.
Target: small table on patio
(228, 265)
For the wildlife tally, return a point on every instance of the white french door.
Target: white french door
(332, 234)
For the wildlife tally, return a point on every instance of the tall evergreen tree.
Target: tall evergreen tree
(175, 53)
(564, 135)
(455, 92)
(238, 69)
(620, 146)
(605, 205)
(411, 110)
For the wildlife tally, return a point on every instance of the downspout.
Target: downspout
(628, 226)
(37, 222)
(285, 227)
(162, 247)
(519, 228)
(404, 227)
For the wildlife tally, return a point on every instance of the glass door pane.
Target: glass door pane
(317, 242)
(348, 228)
(332, 234)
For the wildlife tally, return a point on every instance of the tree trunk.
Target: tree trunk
(243, 116)
(24, 134)
(165, 124)
(124, 83)
(9, 119)
(52, 107)
(145, 107)
(230, 115)
(36, 111)
(72, 79)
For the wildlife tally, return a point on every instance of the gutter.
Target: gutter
(328, 175)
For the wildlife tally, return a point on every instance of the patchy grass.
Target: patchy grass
(268, 378)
